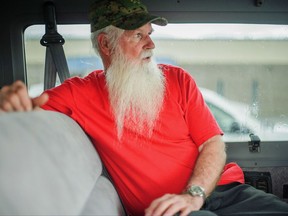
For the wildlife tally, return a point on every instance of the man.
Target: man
(149, 123)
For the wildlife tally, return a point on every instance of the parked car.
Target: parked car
(238, 122)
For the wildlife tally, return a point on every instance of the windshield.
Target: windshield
(242, 69)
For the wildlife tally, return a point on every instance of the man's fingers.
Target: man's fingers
(158, 206)
(16, 98)
(170, 204)
(13, 103)
(25, 100)
(9, 98)
(7, 107)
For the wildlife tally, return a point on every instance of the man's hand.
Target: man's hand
(170, 204)
(15, 98)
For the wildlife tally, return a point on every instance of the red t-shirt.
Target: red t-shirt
(142, 168)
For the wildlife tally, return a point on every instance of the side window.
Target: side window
(79, 53)
(224, 120)
(227, 122)
(241, 64)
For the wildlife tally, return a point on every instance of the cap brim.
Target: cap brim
(137, 20)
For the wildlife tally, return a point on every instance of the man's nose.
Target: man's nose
(149, 43)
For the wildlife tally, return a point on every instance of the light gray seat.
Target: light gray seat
(48, 166)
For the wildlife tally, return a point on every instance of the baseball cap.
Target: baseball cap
(124, 14)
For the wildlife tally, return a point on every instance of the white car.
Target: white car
(237, 121)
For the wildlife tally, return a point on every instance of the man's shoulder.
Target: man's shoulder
(169, 67)
(84, 80)
(173, 71)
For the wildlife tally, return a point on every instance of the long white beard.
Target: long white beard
(136, 92)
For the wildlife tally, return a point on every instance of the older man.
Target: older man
(149, 123)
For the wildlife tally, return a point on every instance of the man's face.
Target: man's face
(134, 42)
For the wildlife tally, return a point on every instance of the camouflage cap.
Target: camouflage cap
(124, 14)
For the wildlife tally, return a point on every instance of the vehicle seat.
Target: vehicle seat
(48, 166)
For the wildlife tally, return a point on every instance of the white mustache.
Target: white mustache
(147, 54)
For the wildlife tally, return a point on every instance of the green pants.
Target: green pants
(242, 200)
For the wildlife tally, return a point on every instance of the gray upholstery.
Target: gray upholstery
(48, 166)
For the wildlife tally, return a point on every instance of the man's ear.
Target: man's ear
(103, 44)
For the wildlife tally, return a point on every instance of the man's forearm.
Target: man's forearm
(209, 165)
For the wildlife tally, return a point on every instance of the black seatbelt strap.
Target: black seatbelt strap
(55, 61)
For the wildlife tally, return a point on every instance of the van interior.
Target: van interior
(237, 51)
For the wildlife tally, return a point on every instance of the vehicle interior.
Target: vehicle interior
(237, 51)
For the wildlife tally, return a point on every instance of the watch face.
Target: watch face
(195, 190)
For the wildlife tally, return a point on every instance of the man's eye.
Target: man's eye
(138, 35)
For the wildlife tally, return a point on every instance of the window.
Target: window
(246, 64)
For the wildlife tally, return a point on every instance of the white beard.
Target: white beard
(136, 92)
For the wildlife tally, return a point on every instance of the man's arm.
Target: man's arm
(209, 165)
(207, 171)
(15, 98)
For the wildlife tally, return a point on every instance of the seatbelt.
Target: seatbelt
(55, 60)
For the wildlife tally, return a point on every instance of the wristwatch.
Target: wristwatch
(196, 190)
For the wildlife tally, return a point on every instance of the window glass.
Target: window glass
(242, 69)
